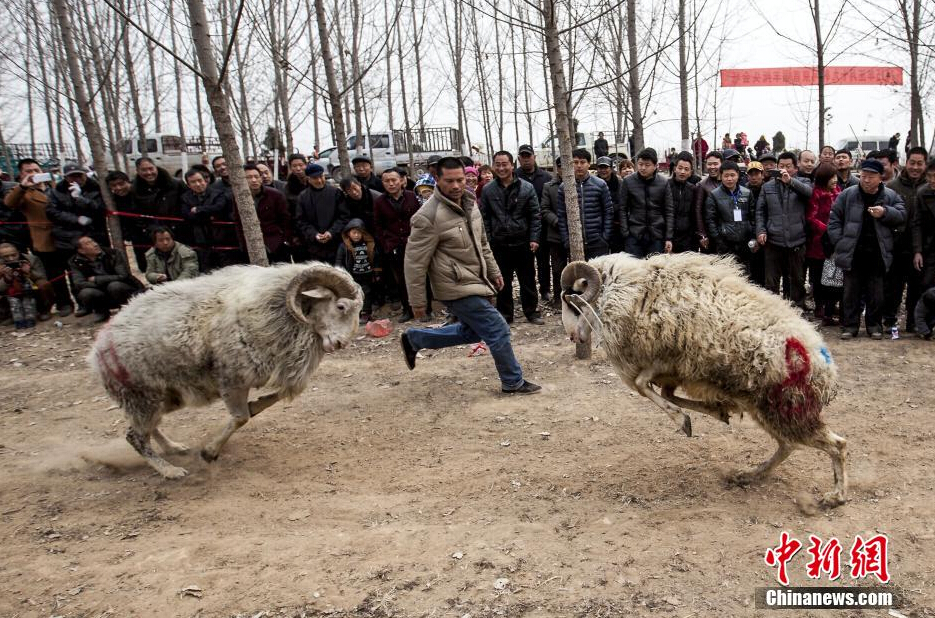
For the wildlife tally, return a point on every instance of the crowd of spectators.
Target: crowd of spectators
(839, 245)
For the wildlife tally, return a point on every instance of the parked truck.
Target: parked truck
(392, 148)
(549, 149)
(171, 153)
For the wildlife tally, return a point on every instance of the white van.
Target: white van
(860, 145)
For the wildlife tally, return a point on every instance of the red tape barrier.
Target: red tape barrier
(117, 213)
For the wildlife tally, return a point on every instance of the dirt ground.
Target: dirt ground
(381, 492)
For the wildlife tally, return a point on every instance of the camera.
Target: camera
(13, 264)
(773, 174)
(37, 178)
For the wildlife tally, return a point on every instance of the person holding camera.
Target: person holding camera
(31, 197)
(101, 278)
(24, 283)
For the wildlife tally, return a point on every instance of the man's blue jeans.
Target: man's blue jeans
(478, 320)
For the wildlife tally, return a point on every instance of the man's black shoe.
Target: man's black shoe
(408, 351)
(82, 311)
(101, 317)
(527, 388)
(405, 317)
(536, 319)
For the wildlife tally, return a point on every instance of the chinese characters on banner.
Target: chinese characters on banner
(867, 557)
(808, 76)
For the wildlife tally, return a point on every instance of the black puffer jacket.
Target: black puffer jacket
(549, 216)
(681, 223)
(596, 208)
(643, 207)
(907, 189)
(730, 235)
(923, 224)
(846, 221)
(64, 210)
(511, 213)
(780, 212)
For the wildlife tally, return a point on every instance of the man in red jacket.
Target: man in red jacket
(272, 210)
(391, 214)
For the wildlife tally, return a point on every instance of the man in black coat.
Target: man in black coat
(363, 171)
(321, 215)
(605, 171)
(76, 209)
(511, 215)
(101, 278)
(861, 229)
(780, 228)
(538, 178)
(682, 233)
(601, 148)
(643, 207)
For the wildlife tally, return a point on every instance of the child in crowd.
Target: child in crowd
(425, 186)
(357, 255)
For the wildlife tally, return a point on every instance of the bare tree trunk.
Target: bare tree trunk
(134, 93)
(456, 48)
(389, 66)
(683, 79)
(225, 128)
(59, 87)
(402, 90)
(311, 46)
(47, 100)
(105, 86)
(499, 52)
(912, 26)
(114, 96)
(515, 85)
(814, 5)
(528, 108)
(548, 101)
(619, 95)
(562, 124)
(417, 43)
(178, 81)
(29, 109)
(280, 62)
(201, 122)
(280, 94)
(344, 79)
(636, 112)
(482, 89)
(153, 77)
(355, 73)
(91, 128)
(340, 133)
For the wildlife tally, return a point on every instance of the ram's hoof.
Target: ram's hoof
(208, 456)
(687, 426)
(832, 499)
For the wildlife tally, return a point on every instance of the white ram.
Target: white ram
(187, 343)
(693, 322)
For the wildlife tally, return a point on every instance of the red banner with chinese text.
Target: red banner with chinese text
(808, 76)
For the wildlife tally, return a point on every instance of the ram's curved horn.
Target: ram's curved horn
(339, 282)
(583, 279)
